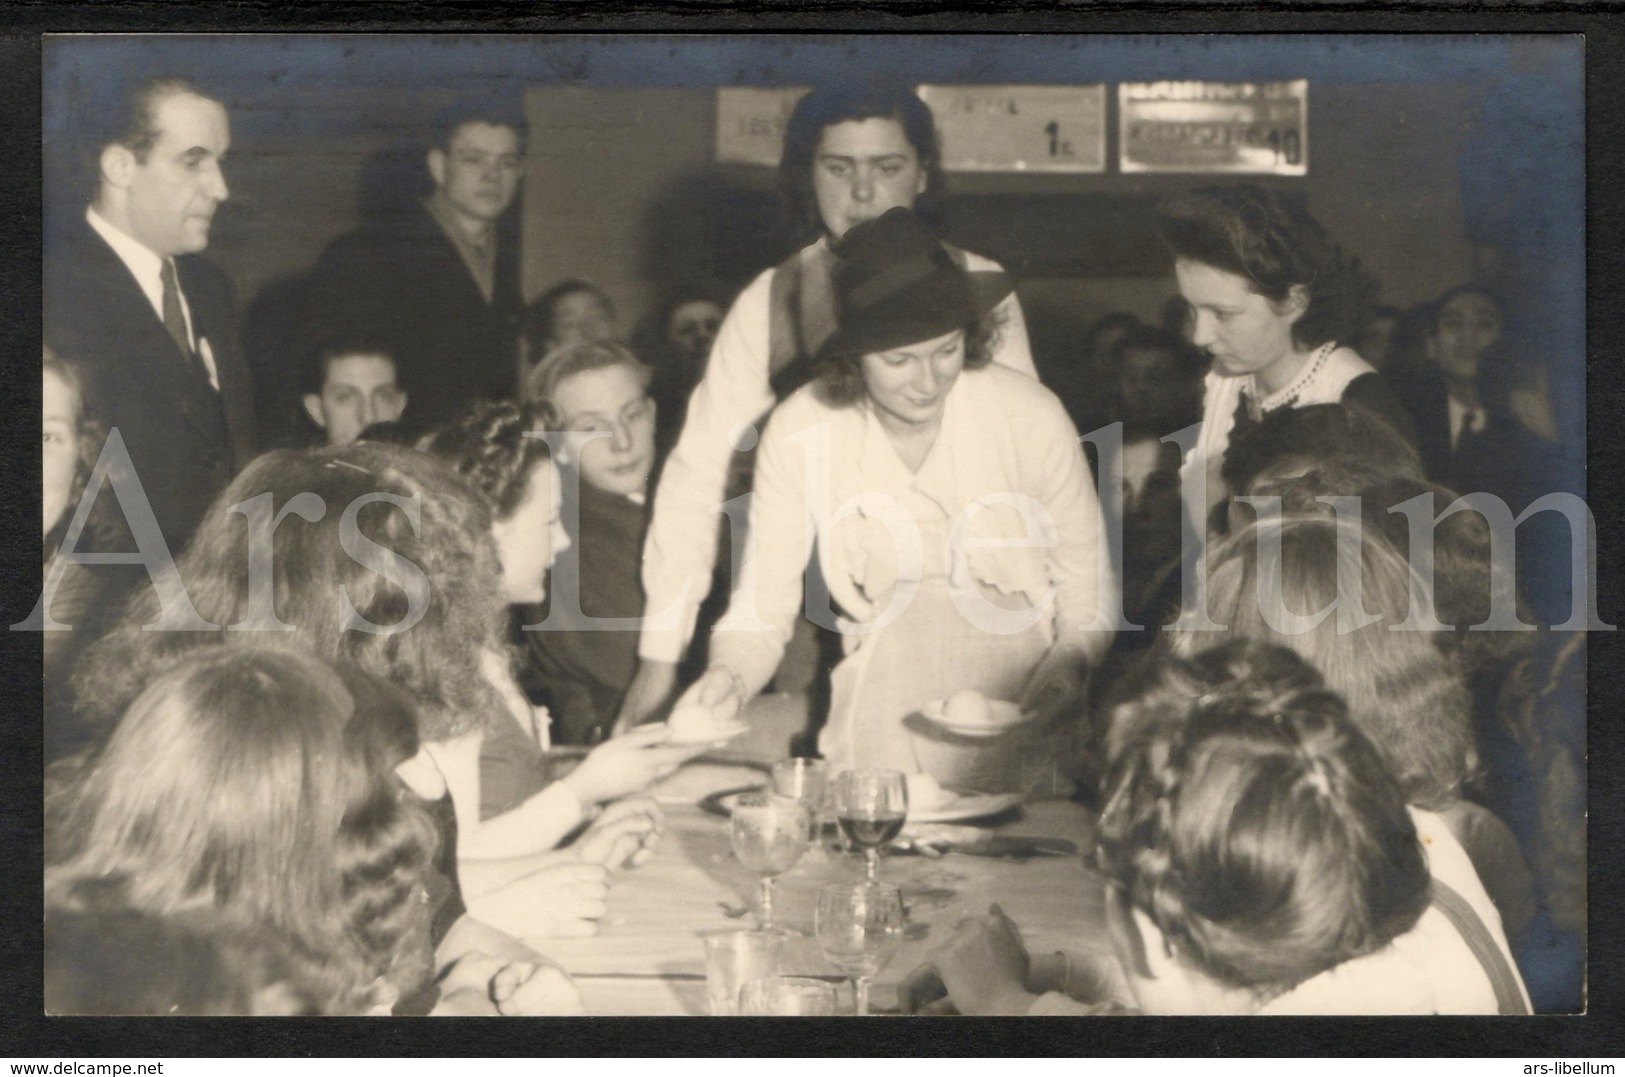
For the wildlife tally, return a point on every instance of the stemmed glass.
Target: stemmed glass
(859, 928)
(770, 833)
(871, 806)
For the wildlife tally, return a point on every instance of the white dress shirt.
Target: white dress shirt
(147, 268)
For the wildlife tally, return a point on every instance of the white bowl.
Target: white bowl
(996, 716)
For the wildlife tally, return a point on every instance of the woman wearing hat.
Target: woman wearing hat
(955, 519)
(852, 150)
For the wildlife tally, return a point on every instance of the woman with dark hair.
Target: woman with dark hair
(1258, 859)
(851, 153)
(1274, 302)
(925, 470)
(1344, 440)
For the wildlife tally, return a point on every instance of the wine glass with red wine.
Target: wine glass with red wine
(871, 806)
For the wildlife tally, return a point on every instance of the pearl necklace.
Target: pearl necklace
(1289, 395)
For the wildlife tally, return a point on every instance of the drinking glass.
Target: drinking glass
(770, 833)
(859, 928)
(871, 806)
(808, 781)
(733, 959)
(787, 996)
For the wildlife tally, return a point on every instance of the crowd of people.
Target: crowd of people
(300, 765)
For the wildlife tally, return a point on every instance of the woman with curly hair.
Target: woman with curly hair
(1274, 302)
(380, 559)
(1258, 858)
(246, 793)
(491, 445)
(249, 786)
(927, 474)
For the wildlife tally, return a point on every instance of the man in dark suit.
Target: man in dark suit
(433, 283)
(153, 323)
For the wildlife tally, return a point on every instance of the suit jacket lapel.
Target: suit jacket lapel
(164, 370)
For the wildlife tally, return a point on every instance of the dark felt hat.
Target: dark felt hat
(895, 285)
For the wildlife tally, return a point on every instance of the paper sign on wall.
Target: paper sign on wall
(1257, 127)
(750, 122)
(1020, 128)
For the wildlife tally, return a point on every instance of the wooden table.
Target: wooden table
(648, 956)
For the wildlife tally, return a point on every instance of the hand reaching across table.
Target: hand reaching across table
(558, 901)
(629, 763)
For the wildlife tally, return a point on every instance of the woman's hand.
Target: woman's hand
(1059, 687)
(981, 969)
(523, 989)
(629, 763)
(624, 836)
(559, 901)
(651, 690)
(480, 985)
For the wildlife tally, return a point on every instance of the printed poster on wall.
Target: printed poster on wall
(1239, 127)
(1020, 128)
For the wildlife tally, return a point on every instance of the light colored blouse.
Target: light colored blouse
(736, 391)
(1006, 470)
(1324, 383)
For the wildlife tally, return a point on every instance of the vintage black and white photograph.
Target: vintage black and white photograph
(856, 525)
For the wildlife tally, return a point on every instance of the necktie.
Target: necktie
(175, 321)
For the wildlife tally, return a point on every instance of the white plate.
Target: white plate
(703, 735)
(1005, 717)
